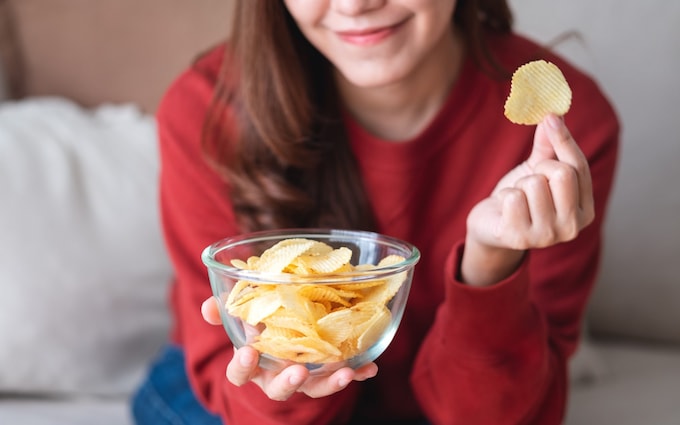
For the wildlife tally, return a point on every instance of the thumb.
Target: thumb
(542, 149)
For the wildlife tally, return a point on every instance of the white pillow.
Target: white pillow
(83, 270)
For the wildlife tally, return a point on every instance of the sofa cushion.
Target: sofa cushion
(59, 411)
(641, 386)
(84, 271)
(114, 50)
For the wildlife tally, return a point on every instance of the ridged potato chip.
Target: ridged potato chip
(538, 88)
(313, 323)
(375, 326)
(276, 258)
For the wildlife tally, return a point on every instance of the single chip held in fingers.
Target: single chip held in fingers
(538, 89)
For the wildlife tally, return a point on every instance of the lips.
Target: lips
(369, 36)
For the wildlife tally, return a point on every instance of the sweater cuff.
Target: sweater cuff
(487, 320)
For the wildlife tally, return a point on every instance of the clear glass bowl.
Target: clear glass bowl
(367, 248)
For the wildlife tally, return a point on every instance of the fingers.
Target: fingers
(210, 311)
(242, 366)
(542, 209)
(281, 385)
(366, 372)
(564, 188)
(324, 386)
(543, 201)
(567, 151)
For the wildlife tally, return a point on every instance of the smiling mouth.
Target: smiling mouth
(370, 36)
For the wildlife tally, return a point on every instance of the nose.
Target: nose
(356, 7)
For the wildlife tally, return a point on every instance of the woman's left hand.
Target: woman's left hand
(546, 200)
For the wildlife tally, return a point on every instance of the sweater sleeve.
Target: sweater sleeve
(498, 355)
(195, 213)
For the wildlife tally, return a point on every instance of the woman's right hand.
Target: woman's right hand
(280, 385)
(546, 200)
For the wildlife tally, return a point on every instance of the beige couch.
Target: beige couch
(634, 316)
(83, 269)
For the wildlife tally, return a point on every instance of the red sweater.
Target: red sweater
(463, 355)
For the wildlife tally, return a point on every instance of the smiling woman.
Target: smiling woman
(341, 114)
(372, 44)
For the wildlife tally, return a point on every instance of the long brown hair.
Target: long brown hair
(290, 163)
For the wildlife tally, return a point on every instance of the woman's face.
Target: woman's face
(375, 42)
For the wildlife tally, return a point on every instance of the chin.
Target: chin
(375, 79)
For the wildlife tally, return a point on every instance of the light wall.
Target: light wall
(633, 49)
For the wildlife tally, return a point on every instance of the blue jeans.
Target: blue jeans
(165, 396)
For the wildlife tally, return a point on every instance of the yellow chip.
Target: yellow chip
(260, 307)
(359, 285)
(391, 260)
(365, 311)
(302, 349)
(240, 264)
(328, 262)
(237, 292)
(342, 324)
(374, 329)
(538, 88)
(313, 323)
(323, 293)
(273, 332)
(285, 319)
(276, 258)
(336, 327)
(384, 293)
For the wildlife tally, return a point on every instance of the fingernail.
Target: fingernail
(342, 383)
(295, 380)
(554, 121)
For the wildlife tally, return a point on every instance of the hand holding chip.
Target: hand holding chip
(244, 368)
(546, 200)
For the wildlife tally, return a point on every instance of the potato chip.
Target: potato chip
(301, 349)
(252, 262)
(364, 312)
(319, 248)
(391, 260)
(323, 293)
(276, 258)
(384, 293)
(272, 332)
(237, 291)
(538, 88)
(240, 264)
(374, 328)
(342, 324)
(360, 285)
(286, 319)
(323, 263)
(307, 322)
(261, 307)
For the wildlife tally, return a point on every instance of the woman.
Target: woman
(386, 115)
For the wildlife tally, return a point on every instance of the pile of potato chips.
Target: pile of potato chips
(538, 88)
(313, 323)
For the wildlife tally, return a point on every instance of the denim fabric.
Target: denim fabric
(166, 398)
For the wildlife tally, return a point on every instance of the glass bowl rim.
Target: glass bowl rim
(209, 253)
